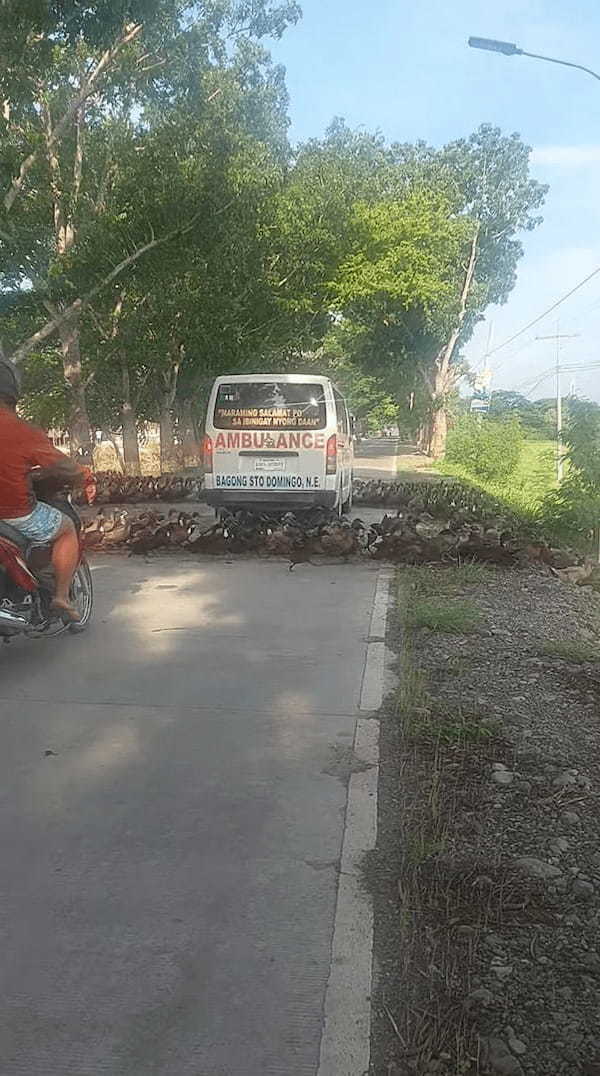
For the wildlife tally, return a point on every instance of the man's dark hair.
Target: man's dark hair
(8, 401)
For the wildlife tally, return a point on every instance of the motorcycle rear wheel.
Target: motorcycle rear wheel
(82, 596)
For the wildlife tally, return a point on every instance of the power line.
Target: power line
(536, 379)
(541, 317)
(538, 383)
(525, 386)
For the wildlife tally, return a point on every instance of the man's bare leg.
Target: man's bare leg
(65, 558)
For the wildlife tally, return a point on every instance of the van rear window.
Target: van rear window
(270, 405)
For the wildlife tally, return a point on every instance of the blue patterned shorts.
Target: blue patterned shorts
(41, 526)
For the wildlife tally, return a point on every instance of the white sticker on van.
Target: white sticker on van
(267, 481)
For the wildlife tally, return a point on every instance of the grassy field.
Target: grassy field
(526, 488)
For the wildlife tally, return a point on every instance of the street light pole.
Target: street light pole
(507, 48)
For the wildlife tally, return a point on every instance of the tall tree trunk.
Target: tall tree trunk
(64, 211)
(168, 448)
(169, 461)
(189, 434)
(444, 377)
(438, 426)
(131, 448)
(118, 453)
(79, 423)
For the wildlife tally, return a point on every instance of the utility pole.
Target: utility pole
(557, 337)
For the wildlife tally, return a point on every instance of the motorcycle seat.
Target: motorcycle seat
(15, 536)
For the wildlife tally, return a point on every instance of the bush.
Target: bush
(484, 448)
(572, 512)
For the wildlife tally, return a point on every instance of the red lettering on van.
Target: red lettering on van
(320, 440)
(307, 440)
(233, 440)
(220, 440)
(294, 440)
(246, 440)
(281, 441)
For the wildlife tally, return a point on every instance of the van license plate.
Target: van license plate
(266, 464)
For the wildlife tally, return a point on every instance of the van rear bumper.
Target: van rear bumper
(261, 502)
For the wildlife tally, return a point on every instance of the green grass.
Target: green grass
(571, 650)
(451, 617)
(524, 491)
(456, 729)
(446, 581)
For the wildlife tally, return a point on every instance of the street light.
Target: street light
(509, 49)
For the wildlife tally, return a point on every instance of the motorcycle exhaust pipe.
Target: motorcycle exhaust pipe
(12, 623)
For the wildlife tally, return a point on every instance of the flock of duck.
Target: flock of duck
(402, 538)
(110, 487)
(428, 522)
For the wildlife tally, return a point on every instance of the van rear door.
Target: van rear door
(269, 436)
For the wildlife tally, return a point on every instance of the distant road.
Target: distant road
(376, 458)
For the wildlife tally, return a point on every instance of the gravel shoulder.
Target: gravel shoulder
(486, 879)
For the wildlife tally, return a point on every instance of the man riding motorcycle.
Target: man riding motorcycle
(22, 448)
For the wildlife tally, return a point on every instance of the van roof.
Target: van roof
(294, 379)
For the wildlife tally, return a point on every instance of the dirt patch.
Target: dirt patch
(487, 873)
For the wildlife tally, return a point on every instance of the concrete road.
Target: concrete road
(376, 458)
(172, 788)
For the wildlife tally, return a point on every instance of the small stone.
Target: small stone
(493, 942)
(570, 817)
(517, 1046)
(499, 766)
(500, 1060)
(503, 777)
(483, 996)
(564, 779)
(538, 868)
(483, 881)
(503, 971)
(582, 890)
(561, 843)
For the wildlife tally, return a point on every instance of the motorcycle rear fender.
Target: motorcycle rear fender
(12, 560)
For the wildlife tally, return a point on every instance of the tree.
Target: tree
(489, 175)
(80, 76)
(409, 294)
(396, 288)
(574, 508)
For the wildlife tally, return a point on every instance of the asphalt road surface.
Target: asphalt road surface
(173, 796)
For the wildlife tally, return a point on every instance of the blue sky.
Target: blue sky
(405, 69)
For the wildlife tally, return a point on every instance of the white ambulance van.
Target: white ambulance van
(278, 441)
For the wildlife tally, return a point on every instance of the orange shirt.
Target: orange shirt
(21, 447)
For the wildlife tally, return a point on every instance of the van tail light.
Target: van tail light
(331, 466)
(207, 454)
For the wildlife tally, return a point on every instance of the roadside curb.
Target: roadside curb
(345, 1042)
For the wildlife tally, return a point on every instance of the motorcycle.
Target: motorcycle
(27, 582)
